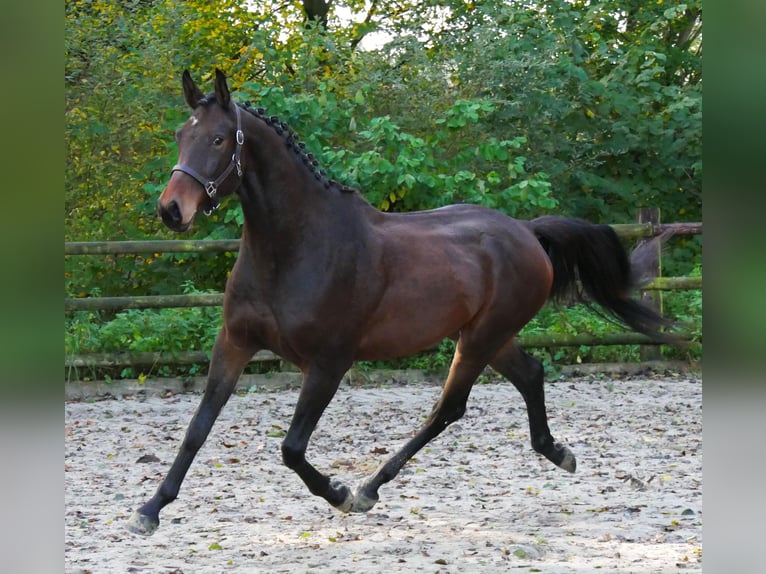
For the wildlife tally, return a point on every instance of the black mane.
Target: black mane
(299, 147)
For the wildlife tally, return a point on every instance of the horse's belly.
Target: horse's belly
(403, 328)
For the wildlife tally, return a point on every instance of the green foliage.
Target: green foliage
(586, 109)
(607, 94)
(165, 330)
(435, 360)
(686, 308)
(683, 307)
(146, 330)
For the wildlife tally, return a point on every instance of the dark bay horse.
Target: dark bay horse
(324, 279)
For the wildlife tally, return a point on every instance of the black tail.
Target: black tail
(590, 264)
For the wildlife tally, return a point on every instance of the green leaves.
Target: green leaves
(589, 93)
(276, 431)
(464, 112)
(587, 109)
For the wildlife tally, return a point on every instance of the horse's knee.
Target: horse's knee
(292, 454)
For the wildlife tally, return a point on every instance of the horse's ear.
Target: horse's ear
(192, 94)
(221, 89)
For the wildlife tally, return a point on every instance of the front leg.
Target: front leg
(320, 383)
(226, 365)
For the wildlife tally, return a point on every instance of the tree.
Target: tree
(588, 109)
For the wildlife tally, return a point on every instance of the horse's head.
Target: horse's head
(209, 146)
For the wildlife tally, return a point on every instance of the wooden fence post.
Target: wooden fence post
(651, 298)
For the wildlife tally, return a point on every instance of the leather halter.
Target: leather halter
(211, 186)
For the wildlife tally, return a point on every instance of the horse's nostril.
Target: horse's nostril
(175, 211)
(170, 213)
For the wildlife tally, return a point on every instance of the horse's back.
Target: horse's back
(461, 236)
(465, 221)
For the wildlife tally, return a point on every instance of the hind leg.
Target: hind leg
(526, 374)
(449, 408)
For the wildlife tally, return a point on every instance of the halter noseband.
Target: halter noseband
(211, 187)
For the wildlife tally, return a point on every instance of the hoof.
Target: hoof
(568, 462)
(356, 502)
(362, 502)
(347, 503)
(142, 524)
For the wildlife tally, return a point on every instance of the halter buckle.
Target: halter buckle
(212, 208)
(211, 189)
(237, 163)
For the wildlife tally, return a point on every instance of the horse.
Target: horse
(324, 279)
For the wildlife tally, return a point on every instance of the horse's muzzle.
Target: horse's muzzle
(171, 215)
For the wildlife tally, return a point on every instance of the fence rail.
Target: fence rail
(216, 299)
(156, 359)
(105, 360)
(624, 230)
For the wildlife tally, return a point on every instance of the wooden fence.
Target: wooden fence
(635, 231)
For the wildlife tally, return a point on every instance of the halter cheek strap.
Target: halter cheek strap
(211, 186)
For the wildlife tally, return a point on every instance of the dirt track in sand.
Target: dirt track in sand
(477, 499)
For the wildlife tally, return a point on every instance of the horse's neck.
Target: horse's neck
(285, 208)
(288, 210)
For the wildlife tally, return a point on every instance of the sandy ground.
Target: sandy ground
(477, 499)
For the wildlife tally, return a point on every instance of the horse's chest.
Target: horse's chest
(266, 321)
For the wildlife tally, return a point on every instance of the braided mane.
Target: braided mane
(299, 147)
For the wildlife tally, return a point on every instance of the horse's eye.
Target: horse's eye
(218, 140)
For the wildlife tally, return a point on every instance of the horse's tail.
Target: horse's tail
(590, 264)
